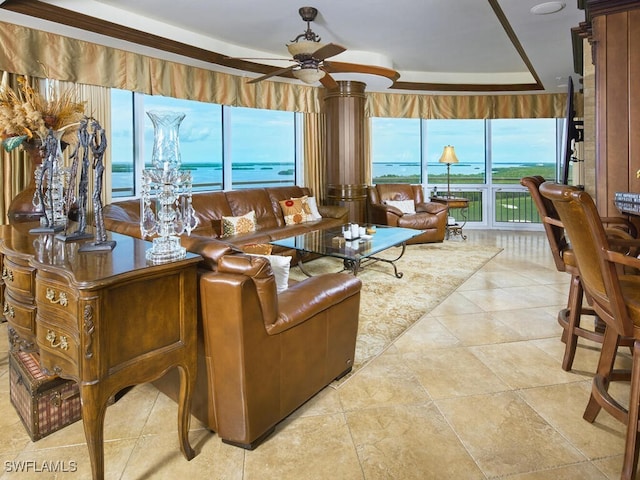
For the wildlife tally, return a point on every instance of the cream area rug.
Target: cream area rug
(390, 305)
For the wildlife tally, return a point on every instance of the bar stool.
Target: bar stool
(570, 318)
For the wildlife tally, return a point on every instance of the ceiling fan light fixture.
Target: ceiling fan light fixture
(309, 75)
(304, 47)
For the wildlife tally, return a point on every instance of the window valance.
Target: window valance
(26, 50)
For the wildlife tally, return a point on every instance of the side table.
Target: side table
(459, 203)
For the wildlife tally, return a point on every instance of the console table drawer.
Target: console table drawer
(57, 297)
(58, 349)
(18, 278)
(18, 314)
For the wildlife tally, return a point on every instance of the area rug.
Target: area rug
(390, 305)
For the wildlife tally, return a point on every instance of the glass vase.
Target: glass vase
(166, 144)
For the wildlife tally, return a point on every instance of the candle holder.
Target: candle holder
(166, 210)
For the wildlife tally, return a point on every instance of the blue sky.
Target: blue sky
(267, 136)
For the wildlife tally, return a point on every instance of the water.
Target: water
(208, 177)
(399, 168)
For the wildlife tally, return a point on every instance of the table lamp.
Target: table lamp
(448, 157)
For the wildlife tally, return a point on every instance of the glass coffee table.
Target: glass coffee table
(355, 253)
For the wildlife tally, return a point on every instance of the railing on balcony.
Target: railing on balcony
(509, 206)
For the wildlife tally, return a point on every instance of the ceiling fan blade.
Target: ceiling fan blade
(328, 81)
(280, 59)
(343, 67)
(275, 73)
(329, 50)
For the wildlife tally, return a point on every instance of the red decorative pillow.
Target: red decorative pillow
(293, 211)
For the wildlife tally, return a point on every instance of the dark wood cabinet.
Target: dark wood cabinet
(613, 30)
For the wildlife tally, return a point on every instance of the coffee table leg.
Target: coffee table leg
(302, 269)
(392, 262)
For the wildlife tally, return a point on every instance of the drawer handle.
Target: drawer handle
(62, 343)
(8, 310)
(7, 274)
(62, 298)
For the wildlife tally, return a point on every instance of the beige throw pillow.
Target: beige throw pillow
(405, 206)
(243, 224)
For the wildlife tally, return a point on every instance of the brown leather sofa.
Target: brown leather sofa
(429, 216)
(207, 240)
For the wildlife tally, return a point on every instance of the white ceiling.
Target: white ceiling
(425, 41)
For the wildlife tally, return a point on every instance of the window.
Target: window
(262, 147)
(493, 155)
(122, 147)
(396, 150)
(200, 138)
(519, 147)
(224, 147)
(467, 137)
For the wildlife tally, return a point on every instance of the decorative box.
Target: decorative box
(44, 403)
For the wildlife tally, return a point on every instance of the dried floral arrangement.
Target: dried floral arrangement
(26, 115)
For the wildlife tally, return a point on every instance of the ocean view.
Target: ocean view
(260, 174)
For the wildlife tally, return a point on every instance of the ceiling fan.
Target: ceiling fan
(310, 59)
(308, 54)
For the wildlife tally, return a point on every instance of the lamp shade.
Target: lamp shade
(448, 155)
(309, 75)
(305, 48)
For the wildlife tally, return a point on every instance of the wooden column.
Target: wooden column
(346, 183)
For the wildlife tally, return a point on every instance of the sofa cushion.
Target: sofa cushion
(257, 248)
(293, 210)
(405, 206)
(241, 224)
(311, 207)
(256, 199)
(280, 265)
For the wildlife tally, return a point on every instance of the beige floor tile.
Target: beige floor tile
(159, 457)
(563, 405)
(611, 466)
(522, 364)
(165, 408)
(453, 372)
(483, 280)
(580, 471)
(426, 334)
(71, 462)
(514, 297)
(455, 304)
(505, 436)
(531, 323)
(325, 402)
(479, 329)
(386, 381)
(317, 447)
(413, 442)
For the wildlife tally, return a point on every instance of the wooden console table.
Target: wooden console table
(108, 321)
(459, 203)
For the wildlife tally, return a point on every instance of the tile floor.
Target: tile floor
(473, 390)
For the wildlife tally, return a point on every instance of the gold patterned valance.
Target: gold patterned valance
(470, 106)
(67, 59)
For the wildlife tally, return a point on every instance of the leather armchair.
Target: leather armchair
(429, 216)
(267, 353)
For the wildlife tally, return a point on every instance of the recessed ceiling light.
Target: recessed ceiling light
(547, 8)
